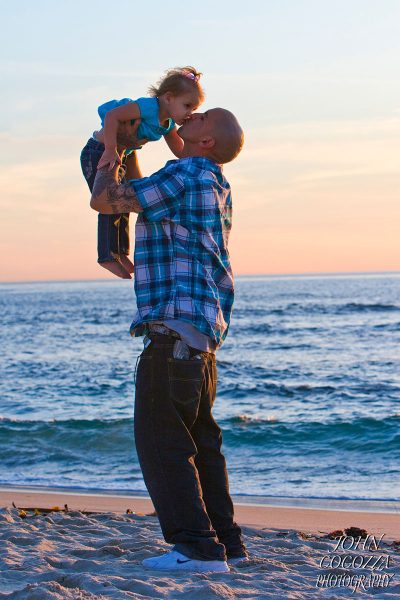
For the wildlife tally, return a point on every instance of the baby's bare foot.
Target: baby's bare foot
(126, 263)
(115, 267)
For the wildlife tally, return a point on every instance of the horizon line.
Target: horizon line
(242, 275)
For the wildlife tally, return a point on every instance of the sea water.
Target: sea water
(308, 392)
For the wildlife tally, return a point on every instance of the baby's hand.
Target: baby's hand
(109, 157)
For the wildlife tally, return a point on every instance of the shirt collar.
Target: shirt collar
(201, 162)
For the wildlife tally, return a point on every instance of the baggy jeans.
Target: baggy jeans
(179, 448)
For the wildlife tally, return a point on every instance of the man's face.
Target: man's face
(198, 126)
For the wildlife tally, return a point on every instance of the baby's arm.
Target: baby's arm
(174, 142)
(112, 120)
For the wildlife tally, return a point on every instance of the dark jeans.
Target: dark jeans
(112, 230)
(179, 448)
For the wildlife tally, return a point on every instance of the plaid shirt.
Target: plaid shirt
(182, 268)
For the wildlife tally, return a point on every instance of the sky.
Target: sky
(314, 84)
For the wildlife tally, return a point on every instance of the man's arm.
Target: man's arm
(110, 197)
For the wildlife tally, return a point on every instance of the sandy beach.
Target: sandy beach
(95, 551)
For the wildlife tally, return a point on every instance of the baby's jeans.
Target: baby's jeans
(112, 230)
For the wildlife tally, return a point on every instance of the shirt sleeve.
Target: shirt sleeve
(159, 195)
(107, 106)
(170, 127)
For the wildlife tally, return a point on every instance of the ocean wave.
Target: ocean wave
(360, 434)
(247, 390)
(387, 327)
(250, 329)
(252, 389)
(71, 442)
(393, 419)
(307, 308)
(241, 429)
(361, 307)
(79, 424)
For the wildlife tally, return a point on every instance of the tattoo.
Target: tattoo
(119, 197)
(127, 140)
(127, 136)
(122, 198)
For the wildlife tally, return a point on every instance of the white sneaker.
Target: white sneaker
(177, 561)
(239, 559)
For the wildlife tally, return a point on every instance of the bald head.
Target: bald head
(215, 134)
(227, 133)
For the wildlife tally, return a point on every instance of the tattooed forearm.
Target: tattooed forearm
(110, 197)
(121, 198)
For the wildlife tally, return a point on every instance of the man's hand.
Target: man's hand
(110, 197)
(127, 135)
(126, 138)
(109, 158)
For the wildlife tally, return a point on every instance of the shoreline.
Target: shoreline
(308, 519)
(372, 505)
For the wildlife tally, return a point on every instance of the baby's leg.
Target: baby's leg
(107, 232)
(123, 232)
(117, 268)
(108, 245)
(126, 263)
(90, 157)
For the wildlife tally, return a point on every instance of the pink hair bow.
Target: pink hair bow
(190, 75)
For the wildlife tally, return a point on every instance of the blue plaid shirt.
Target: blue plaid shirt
(182, 268)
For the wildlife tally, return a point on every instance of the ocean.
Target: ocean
(308, 392)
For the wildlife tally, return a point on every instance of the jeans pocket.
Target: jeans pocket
(185, 379)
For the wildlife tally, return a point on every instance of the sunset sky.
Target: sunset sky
(315, 85)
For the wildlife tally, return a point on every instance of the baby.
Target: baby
(171, 102)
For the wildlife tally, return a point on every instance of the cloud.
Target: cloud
(46, 69)
(313, 152)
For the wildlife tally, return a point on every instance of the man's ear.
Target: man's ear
(208, 142)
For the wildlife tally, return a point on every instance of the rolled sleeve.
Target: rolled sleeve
(110, 105)
(159, 195)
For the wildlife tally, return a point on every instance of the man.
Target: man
(184, 292)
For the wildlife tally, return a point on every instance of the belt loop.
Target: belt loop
(163, 330)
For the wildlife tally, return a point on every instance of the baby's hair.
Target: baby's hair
(178, 81)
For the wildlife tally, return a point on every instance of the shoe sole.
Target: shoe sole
(224, 568)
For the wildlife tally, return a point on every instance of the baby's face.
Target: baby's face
(181, 107)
